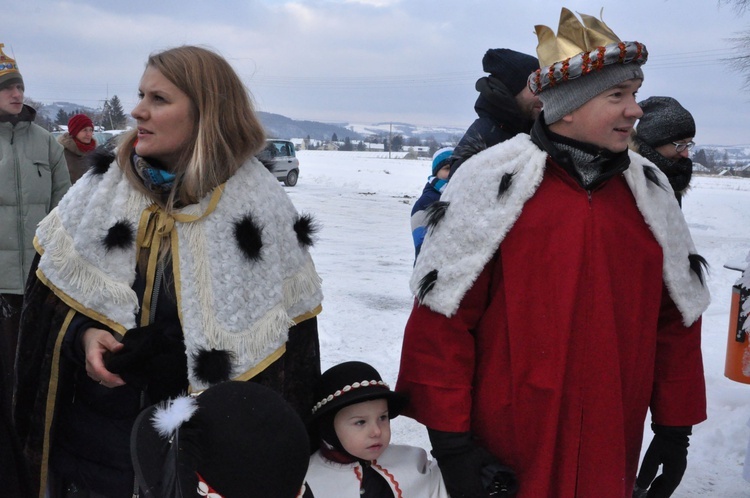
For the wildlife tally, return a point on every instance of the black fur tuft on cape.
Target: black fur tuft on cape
(505, 184)
(99, 161)
(650, 173)
(306, 228)
(426, 284)
(699, 265)
(213, 367)
(434, 213)
(119, 236)
(249, 237)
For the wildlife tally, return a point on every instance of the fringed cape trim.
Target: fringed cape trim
(225, 300)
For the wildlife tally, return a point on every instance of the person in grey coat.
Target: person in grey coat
(33, 179)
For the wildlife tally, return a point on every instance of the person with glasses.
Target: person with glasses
(664, 136)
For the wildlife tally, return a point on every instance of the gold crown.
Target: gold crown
(572, 37)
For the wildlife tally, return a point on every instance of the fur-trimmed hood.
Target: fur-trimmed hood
(485, 199)
(242, 270)
(70, 144)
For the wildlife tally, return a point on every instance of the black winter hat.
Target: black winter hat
(511, 67)
(236, 439)
(664, 120)
(349, 383)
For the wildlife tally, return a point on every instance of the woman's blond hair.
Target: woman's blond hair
(226, 130)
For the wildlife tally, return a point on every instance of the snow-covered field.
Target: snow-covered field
(364, 254)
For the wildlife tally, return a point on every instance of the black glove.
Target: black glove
(152, 358)
(669, 449)
(470, 471)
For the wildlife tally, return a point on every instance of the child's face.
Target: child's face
(364, 429)
(444, 172)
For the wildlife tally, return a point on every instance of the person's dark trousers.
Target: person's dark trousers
(14, 474)
(8, 341)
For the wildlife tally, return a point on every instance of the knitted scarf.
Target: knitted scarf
(85, 147)
(678, 172)
(156, 179)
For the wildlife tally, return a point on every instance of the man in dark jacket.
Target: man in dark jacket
(505, 105)
(664, 136)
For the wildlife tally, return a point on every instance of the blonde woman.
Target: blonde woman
(177, 265)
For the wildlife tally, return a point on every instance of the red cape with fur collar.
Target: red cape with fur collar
(560, 345)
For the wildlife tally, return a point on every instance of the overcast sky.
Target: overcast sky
(367, 61)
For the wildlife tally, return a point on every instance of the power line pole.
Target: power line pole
(390, 132)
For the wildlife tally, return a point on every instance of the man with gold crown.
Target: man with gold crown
(570, 305)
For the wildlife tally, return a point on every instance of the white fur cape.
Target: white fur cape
(477, 221)
(225, 300)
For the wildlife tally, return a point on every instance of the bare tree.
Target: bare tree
(740, 6)
(741, 43)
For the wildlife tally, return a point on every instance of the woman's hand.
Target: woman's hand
(97, 343)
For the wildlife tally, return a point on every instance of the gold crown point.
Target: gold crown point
(573, 37)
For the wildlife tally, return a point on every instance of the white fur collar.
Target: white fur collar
(225, 300)
(465, 240)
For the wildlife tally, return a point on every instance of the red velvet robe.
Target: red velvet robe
(561, 345)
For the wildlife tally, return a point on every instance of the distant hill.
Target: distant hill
(51, 110)
(278, 126)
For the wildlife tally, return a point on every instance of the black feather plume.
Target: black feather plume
(434, 213)
(426, 284)
(699, 265)
(99, 161)
(306, 228)
(120, 235)
(249, 237)
(212, 367)
(505, 183)
(650, 173)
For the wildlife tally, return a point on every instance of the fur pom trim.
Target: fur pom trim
(426, 284)
(249, 237)
(651, 175)
(121, 235)
(306, 229)
(434, 213)
(99, 161)
(699, 266)
(484, 218)
(169, 416)
(212, 367)
(505, 183)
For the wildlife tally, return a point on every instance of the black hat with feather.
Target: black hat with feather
(235, 439)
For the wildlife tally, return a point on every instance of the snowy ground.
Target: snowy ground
(364, 254)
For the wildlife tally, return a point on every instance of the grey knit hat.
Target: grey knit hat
(664, 120)
(564, 99)
(584, 59)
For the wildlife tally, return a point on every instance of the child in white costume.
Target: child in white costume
(351, 423)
